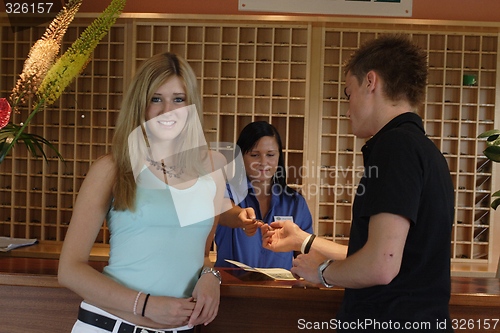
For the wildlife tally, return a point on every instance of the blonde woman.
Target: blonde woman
(160, 192)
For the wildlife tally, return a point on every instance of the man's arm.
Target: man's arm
(376, 263)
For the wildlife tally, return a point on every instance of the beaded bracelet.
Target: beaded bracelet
(135, 302)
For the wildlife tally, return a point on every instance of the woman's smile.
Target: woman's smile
(167, 123)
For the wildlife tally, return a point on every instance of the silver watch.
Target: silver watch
(321, 270)
(212, 271)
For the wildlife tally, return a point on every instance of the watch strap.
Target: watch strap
(321, 270)
(212, 271)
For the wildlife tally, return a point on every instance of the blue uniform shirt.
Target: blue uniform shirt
(234, 244)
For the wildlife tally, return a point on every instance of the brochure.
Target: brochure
(8, 243)
(275, 273)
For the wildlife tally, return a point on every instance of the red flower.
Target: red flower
(5, 111)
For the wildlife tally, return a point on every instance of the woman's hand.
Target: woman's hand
(206, 295)
(169, 311)
(250, 224)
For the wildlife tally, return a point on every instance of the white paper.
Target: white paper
(275, 273)
(8, 243)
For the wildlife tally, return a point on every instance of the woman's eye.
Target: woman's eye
(156, 100)
(179, 100)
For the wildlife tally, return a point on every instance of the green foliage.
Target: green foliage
(492, 152)
(33, 142)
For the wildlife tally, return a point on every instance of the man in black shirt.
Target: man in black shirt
(397, 271)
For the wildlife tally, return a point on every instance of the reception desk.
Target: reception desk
(32, 301)
(249, 305)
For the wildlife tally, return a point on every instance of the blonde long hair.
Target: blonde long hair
(149, 77)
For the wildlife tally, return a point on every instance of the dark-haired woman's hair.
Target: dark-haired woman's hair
(248, 138)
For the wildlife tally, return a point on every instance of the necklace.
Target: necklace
(170, 171)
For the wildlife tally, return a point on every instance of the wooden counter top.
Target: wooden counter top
(52, 250)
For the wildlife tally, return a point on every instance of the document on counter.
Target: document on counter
(9, 243)
(275, 273)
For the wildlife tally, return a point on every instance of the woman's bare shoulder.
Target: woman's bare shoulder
(219, 160)
(104, 165)
(101, 176)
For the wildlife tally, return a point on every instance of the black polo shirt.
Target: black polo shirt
(405, 174)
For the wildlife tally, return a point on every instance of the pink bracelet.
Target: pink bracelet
(136, 301)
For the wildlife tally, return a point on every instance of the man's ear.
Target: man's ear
(371, 80)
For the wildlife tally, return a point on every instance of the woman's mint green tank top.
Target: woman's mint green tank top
(159, 248)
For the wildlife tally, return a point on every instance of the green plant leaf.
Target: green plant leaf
(3, 150)
(495, 140)
(33, 142)
(493, 153)
(489, 133)
(495, 203)
(496, 194)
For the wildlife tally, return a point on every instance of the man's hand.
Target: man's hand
(282, 236)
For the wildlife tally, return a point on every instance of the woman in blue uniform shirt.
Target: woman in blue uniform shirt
(269, 199)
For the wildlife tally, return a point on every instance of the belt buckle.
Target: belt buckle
(142, 329)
